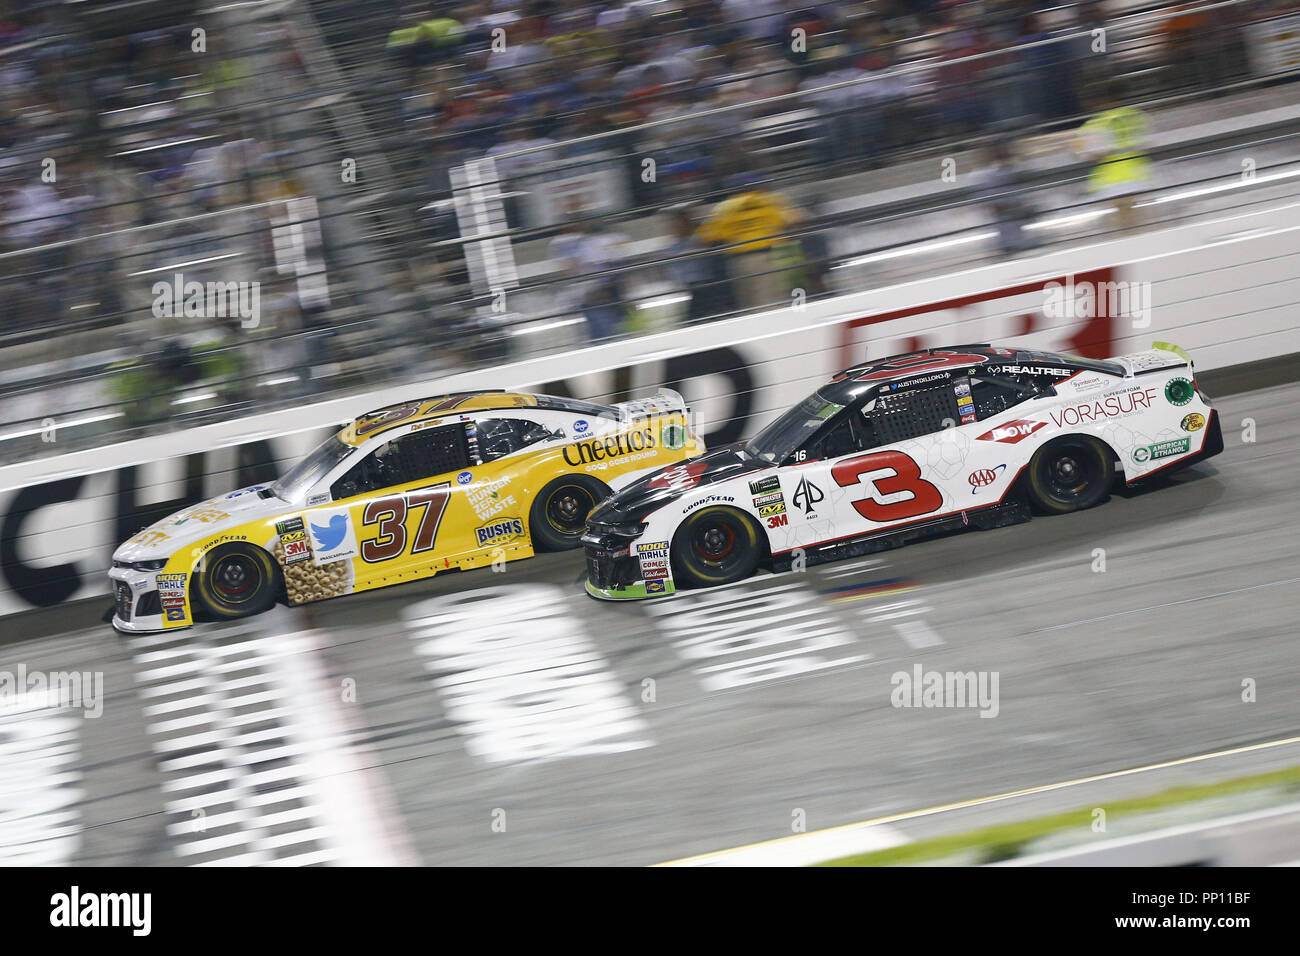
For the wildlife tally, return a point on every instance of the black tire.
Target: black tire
(716, 546)
(560, 510)
(1070, 473)
(236, 580)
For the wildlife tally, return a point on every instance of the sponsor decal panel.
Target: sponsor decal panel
(500, 532)
(615, 446)
(1163, 449)
(708, 500)
(679, 477)
(652, 556)
(1012, 432)
(171, 595)
(672, 436)
(807, 496)
(655, 587)
(464, 478)
(293, 538)
(1193, 422)
(1109, 406)
(1179, 391)
(1028, 370)
(765, 486)
(486, 499)
(332, 536)
(983, 477)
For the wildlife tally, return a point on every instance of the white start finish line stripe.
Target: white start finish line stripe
(520, 679)
(39, 781)
(254, 746)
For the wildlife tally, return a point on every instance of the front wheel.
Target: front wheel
(1070, 473)
(559, 512)
(716, 546)
(236, 580)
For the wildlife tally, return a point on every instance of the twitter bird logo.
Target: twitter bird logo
(330, 536)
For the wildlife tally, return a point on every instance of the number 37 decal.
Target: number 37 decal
(390, 515)
(888, 476)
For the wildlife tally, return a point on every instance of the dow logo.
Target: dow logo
(807, 496)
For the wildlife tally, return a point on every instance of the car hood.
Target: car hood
(672, 482)
(199, 522)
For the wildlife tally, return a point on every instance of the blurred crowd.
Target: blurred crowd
(123, 155)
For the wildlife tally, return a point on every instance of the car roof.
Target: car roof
(423, 410)
(849, 383)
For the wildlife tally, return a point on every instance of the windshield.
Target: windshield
(294, 483)
(778, 441)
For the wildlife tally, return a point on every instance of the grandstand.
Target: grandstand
(414, 189)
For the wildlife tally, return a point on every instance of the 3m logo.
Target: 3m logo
(1012, 432)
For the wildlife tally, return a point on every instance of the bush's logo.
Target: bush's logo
(1193, 422)
(1012, 432)
(615, 446)
(983, 477)
(500, 531)
(1164, 449)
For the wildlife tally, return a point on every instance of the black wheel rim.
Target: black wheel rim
(236, 578)
(714, 542)
(1069, 472)
(567, 509)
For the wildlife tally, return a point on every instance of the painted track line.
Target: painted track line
(775, 849)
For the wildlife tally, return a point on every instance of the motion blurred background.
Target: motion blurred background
(418, 188)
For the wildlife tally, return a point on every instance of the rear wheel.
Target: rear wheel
(1070, 473)
(559, 512)
(716, 546)
(236, 580)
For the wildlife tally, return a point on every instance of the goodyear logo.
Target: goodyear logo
(615, 446)
(500, 531)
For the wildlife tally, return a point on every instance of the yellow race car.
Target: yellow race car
(457, 481)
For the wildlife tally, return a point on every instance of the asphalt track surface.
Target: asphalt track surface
(506, 718)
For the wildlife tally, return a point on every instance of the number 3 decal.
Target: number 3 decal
(906, 477)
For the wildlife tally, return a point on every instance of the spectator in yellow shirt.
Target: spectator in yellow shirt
(750, 224)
